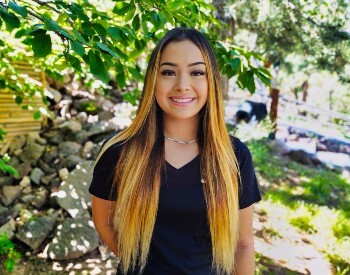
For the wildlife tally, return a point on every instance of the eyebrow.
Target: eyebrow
(189, 65)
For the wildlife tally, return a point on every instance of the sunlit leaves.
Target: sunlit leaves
(18, 9)
(97, 67)
(11, 20)
(41, 45)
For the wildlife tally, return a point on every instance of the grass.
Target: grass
(317, 201)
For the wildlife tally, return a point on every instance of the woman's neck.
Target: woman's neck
(181, 129)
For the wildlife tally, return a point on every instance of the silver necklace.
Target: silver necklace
(181, 142)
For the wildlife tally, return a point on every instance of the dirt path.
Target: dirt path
(286, 247)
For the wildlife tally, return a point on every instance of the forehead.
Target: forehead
(181, 51)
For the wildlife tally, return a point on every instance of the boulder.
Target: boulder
(34, 232)
(73, 239)
(73, 195)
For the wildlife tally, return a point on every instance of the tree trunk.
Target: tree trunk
(274, 94)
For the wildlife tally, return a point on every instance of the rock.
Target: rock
(17, 143)
(68, 148)
(56, 140)
(6, 181)
(73, 195)
(81, 137)
(10, 194)
(86, 151)
(71, 161)
(36, 175)
(14, 161)
(53, 94)
(82, 117)
(28, 197)
(18, 152)
(47, 169)
(47, 179)
(63, 174)
(50, 134)
(4, 214)
(32, 152)
(25, 182)
(35, 138)
(73, 239)
(34, 232)
(300, 156)
(278, 146)
(70, 126)
(41, 198)
(8, 228)
(51, 152)
(23, 169)
(105, 115)
(334, 159)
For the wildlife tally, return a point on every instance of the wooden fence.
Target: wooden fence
(15, 120)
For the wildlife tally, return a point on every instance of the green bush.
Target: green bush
(7, 248)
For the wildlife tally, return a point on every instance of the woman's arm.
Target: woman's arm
(102, 214)
(245, 255)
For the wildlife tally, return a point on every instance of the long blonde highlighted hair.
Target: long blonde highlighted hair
(138, 170)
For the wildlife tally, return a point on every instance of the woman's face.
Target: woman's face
(182, 83)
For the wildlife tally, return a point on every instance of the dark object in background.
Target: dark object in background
(250, 111)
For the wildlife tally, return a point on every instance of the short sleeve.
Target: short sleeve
(103, 174)
(248, 189)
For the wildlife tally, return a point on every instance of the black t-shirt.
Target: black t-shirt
(181, 241)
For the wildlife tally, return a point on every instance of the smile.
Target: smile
(182, 100)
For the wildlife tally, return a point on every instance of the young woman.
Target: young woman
(173, 193)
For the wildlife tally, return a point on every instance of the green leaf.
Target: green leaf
(130, 14)
(175, 5)
(97, 67)
(79, 37)
(20, 33)
(136, 22)
(1, 45)
(121, 80)
(100, 29)
(236, 64)
(140, 44)
(50, 25)
(78, 10)
(18, 99)
(135, 73)
(36, 115)
(247, 80)
(78, 48)
(66, 34)
(11, 20)
(121, 8)
(116, 33)
(105, 48)
(41, 45)
(2, 85)
(18, 9)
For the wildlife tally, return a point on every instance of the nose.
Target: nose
(183, 83)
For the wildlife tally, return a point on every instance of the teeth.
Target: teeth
(181, 100)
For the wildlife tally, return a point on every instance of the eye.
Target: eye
(197, 73)
(168, 73)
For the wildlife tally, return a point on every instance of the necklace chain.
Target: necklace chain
(181, 142)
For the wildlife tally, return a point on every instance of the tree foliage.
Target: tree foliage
(316, 30)
(108, 38)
